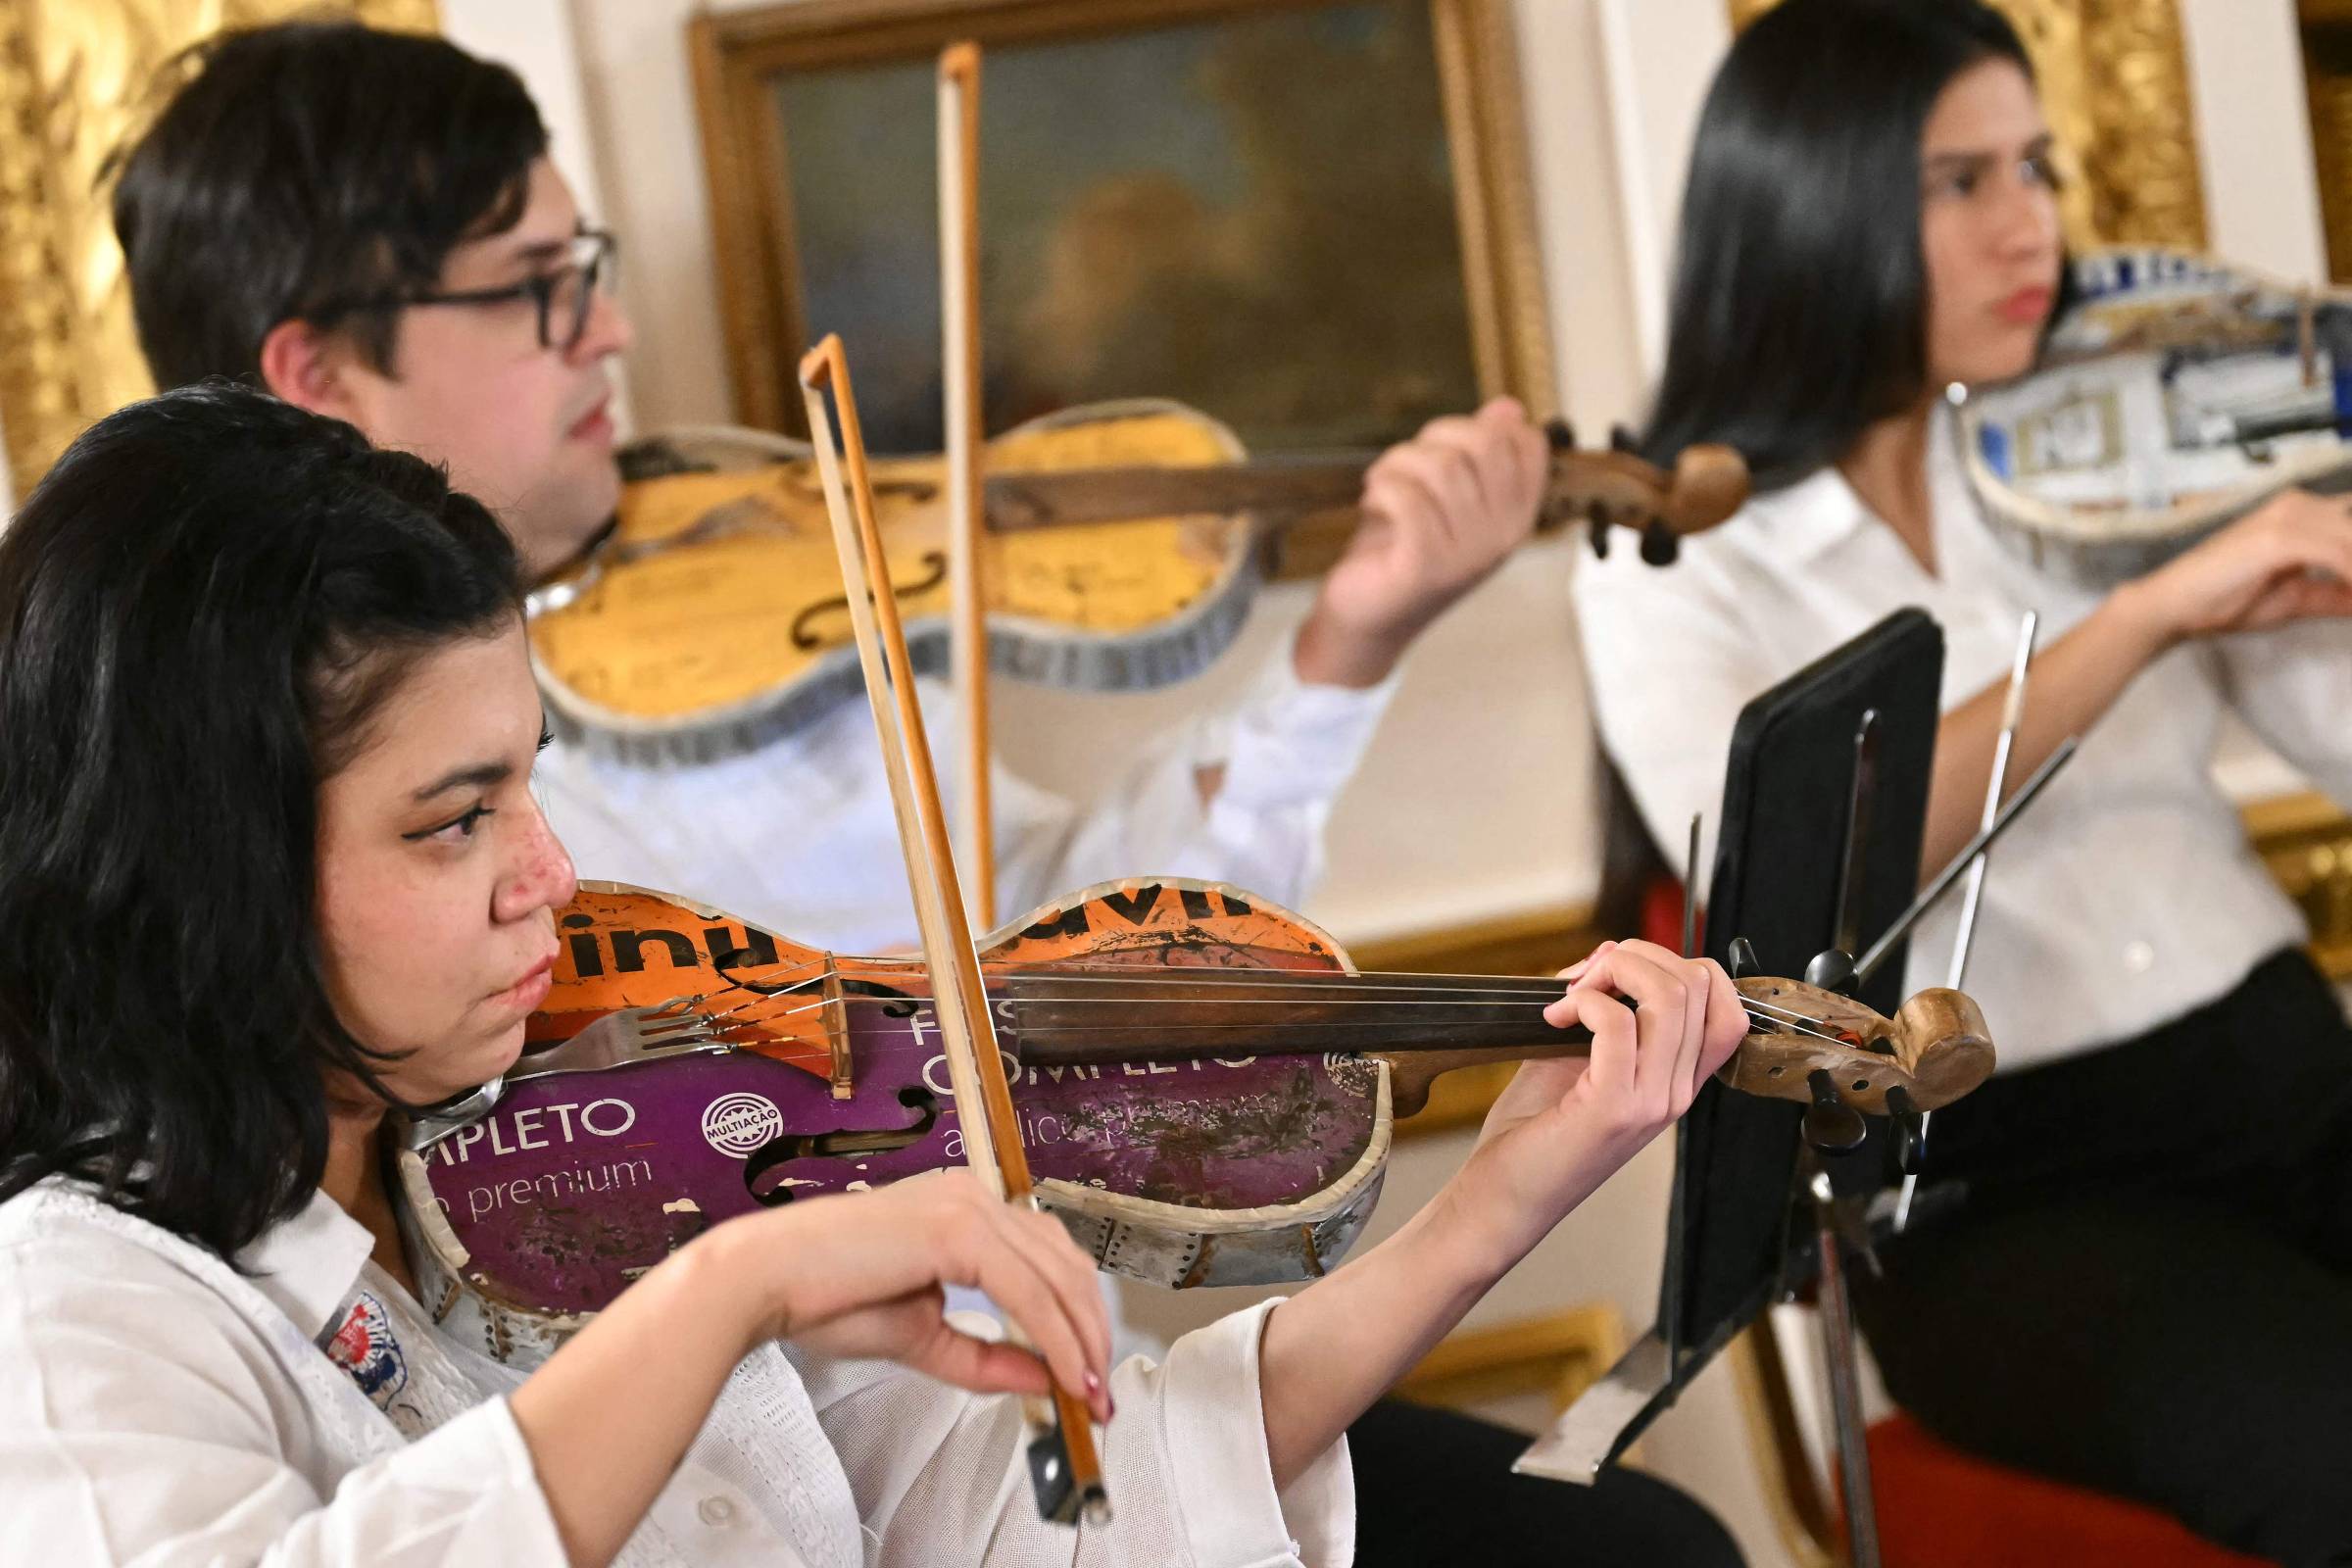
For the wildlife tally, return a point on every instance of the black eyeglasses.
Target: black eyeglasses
(565, 293)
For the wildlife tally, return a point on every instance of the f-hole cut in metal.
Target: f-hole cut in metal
(804, 633)
(772, 1157)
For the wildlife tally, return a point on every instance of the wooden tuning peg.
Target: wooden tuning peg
(1831, 1124)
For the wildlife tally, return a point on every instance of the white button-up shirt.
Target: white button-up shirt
(798, 835)
(158, 1407)
(2127, 894)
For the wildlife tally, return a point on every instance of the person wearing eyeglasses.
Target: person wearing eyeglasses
(369, 225)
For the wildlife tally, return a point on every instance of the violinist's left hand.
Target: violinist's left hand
(1564, 1126)
(1440, 514)
(1560, 1130)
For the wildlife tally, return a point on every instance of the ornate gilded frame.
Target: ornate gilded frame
(735, 54)
(75, 81)
(2114, 76)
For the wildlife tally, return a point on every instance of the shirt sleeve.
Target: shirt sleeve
(940, 1476)
(1282, 755)
(1663, 658)
(142, 1422)
(2292, 685)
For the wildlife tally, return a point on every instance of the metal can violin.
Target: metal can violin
(1206, 1086)
(1122, 547)
(2180, 394)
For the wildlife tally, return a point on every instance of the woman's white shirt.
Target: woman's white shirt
(158, 1407)
(2126, 895)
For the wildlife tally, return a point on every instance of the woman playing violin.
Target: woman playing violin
(272, 868)
(429, 176)
(2156, 1240)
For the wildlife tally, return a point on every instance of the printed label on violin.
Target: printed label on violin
(742, 1124)
(576, 1185)
(574, 1195)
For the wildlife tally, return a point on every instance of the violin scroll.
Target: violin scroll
(1619, 489)
(1934, 1050)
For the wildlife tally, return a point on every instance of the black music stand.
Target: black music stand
(1805, 862)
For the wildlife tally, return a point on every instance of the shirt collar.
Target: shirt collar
(1821, 511)
(307, 1265)
(1812, 516)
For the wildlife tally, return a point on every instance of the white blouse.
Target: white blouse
(158, 1407)
(2127, 894)
(798, 835)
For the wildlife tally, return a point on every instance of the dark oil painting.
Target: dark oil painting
(1252, 213)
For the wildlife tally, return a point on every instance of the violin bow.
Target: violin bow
(960, 382)
(1064, 1469)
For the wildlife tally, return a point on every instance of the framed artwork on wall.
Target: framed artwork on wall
(1310, 219)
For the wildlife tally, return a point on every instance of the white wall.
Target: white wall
(2262, 196)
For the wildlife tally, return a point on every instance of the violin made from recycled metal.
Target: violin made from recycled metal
(1205, 1087)
(2178, 395)
(1124, 543)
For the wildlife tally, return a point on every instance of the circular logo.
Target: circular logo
(739, 1124)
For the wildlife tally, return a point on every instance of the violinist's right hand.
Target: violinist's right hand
(2289, 558)
(865, 1275)
(611, 1415)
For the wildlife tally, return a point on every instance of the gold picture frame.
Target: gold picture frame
(76, 79)
(739, 58)
(2114, 79)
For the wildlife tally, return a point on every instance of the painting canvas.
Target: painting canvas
(1254, 211)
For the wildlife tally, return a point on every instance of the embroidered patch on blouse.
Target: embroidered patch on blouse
(365, 1347)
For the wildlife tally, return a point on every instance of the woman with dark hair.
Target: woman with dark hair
(2154, 1250)
(271, 870)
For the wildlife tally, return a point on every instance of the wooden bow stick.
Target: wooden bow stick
(1063, 1466)
(960, 382)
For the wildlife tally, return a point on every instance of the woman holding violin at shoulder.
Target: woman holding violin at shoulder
(2157, 1242)
(271, 866)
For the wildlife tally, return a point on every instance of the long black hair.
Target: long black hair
(200, 607)
(299, 168)
(1799, 310)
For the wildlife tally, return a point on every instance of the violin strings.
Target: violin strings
(1792, 1023)
(1543, 992)
(1307, 984)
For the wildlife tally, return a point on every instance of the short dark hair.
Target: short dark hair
(299, 167)
(200, 607)
(1799, 314)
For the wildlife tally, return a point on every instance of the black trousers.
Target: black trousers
(2149, 1289)
(1435, 1487)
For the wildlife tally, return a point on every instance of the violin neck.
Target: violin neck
(1282, 486)
(1104, 1016)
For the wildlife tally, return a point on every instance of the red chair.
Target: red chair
(1942, 1508)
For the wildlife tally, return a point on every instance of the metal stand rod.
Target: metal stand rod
(1845, 1383)
(1879, 950)
(1678, 1202)
(2013, 711)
